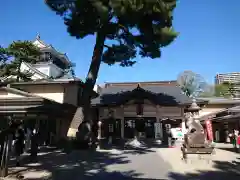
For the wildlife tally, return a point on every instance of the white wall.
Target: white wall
(48, 69)
(35, 76)
(71, 94)
(4, 94)
(49, 91)
(44, 70)
(54, 71)
(61, 93)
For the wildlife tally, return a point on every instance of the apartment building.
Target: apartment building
(233, 78)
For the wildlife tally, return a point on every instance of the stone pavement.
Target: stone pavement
(151, 163)
(222, 165)
(101, 164)
(147, 164)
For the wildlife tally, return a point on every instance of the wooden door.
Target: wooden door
(149, 127)
(129, 127)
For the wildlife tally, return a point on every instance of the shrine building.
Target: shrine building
(124, 109)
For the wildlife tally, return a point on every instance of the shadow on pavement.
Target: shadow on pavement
(234, 150)
(148, 146)
(132, 150)
(224, 170)
(75, 165)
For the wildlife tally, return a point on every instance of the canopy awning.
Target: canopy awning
(228, 118)
(235, 109)
(33, 105)
(210, 114)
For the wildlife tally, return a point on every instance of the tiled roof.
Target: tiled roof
(234, 109)
(145, 83)
(217, 100)
(43, 46)
(163, 95)
(31, 67)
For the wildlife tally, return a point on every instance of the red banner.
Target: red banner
(209, 129)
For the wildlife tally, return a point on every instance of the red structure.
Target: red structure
(209, 129)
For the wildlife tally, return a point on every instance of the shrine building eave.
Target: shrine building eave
(159, 95)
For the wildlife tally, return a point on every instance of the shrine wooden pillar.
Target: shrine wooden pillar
(122, 122)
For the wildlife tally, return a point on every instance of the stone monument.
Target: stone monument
(194, 140)
(195, 133)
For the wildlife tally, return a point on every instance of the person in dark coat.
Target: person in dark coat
(19, 144)
(34, 145)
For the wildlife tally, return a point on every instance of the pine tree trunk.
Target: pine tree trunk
(85, 134)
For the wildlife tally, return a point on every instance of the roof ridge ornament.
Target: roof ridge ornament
(138, 86)
(38, 36)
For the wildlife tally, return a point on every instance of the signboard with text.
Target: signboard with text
(157, 127)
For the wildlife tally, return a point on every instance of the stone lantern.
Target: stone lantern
(190, 117)
(194, 108)
(191, 113)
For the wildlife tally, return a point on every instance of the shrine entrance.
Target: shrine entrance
(111, 127)
(142, 127)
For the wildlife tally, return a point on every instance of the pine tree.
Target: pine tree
(136, 27)
(14, 55)
(3, 60)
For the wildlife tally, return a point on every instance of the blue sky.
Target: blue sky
(208, 41)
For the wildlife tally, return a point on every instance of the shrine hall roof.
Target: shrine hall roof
(161, 94)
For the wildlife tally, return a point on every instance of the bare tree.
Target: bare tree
(191, 83)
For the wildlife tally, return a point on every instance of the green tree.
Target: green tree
(123, 30)
(13, 56)
(225, 90)
(191, 83)
(218, 90)
(221, 90)
(3, 60)
(208, 92)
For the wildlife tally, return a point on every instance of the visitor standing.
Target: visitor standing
(233, 138)
(238, 142)
(19, 144)
(28, 139)
(34, 145)
(236, 132)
